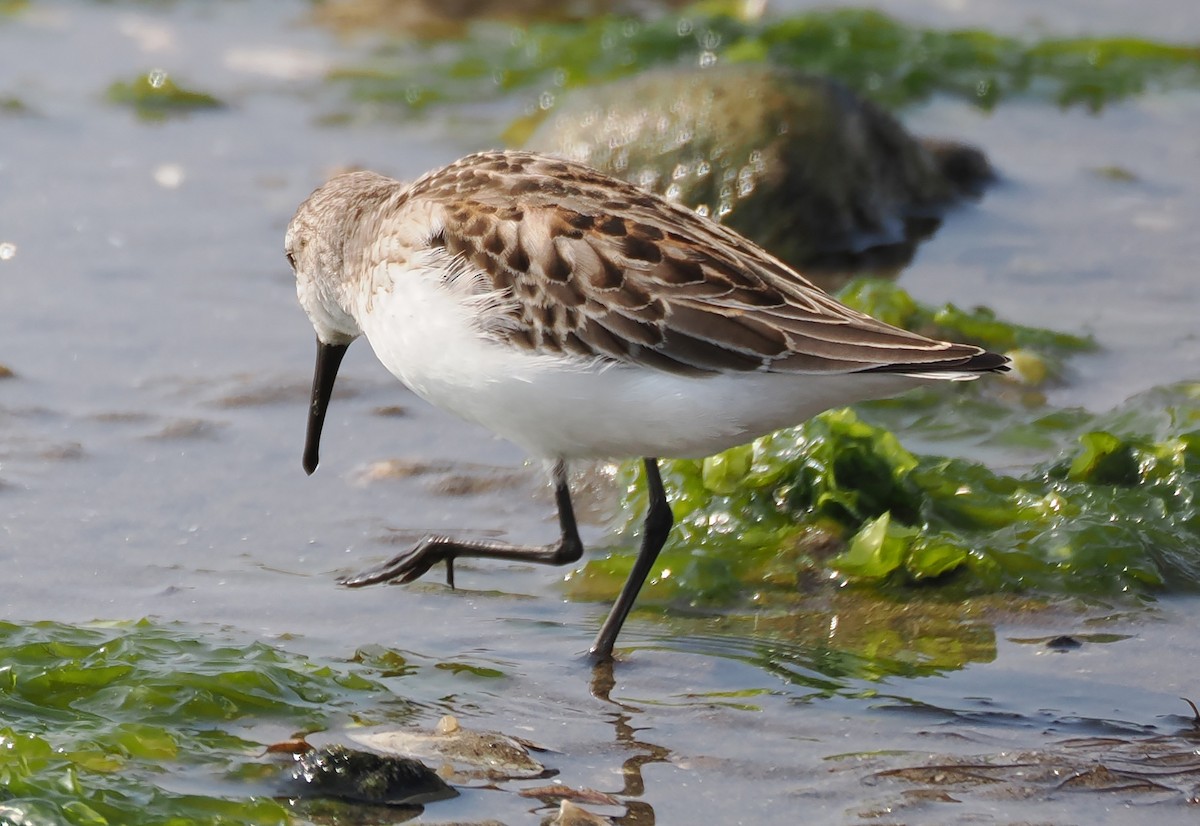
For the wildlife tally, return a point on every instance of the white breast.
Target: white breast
(427, 334)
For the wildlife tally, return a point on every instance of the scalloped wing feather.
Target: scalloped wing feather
(601, 269)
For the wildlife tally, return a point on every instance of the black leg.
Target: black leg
(654, 535)
(431, 550)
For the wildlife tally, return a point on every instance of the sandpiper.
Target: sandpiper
(581, 317)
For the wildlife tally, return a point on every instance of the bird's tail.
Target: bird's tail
(956, 369)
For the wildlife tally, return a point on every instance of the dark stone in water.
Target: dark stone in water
(817, 175)
(364, 777)
(1063, 643)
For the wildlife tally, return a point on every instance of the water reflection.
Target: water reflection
(638, 811)
(838, 641)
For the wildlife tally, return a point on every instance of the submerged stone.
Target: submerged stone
(366, 777)
(469, 755)
(819, 176)
(569, 814)
(1063, 643)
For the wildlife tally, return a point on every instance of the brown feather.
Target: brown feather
(652, 283)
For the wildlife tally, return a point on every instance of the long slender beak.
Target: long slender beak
(329, 358)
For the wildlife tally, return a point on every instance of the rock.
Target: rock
(470, 755)
(1063, 643)
(821, 177)
(366, 777)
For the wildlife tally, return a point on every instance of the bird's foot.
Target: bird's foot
(409, 565)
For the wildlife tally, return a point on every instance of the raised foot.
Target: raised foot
(409, 565)
(431, 550)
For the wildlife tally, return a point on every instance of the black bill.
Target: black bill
(329, 358)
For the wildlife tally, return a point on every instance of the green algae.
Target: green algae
(156, 96)
(885, 59)
(979, 325)
(100, 723)
(835, 640)
(1038, 354)
(13, 105)
(167, 724)
(841, 500)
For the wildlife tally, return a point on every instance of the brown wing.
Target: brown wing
(600, 268)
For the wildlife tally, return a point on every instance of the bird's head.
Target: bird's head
(324, 249)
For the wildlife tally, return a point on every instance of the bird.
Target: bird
(581, 318)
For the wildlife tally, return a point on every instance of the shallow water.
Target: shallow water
(150, 442)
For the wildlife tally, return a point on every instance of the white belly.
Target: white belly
(567, 408)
